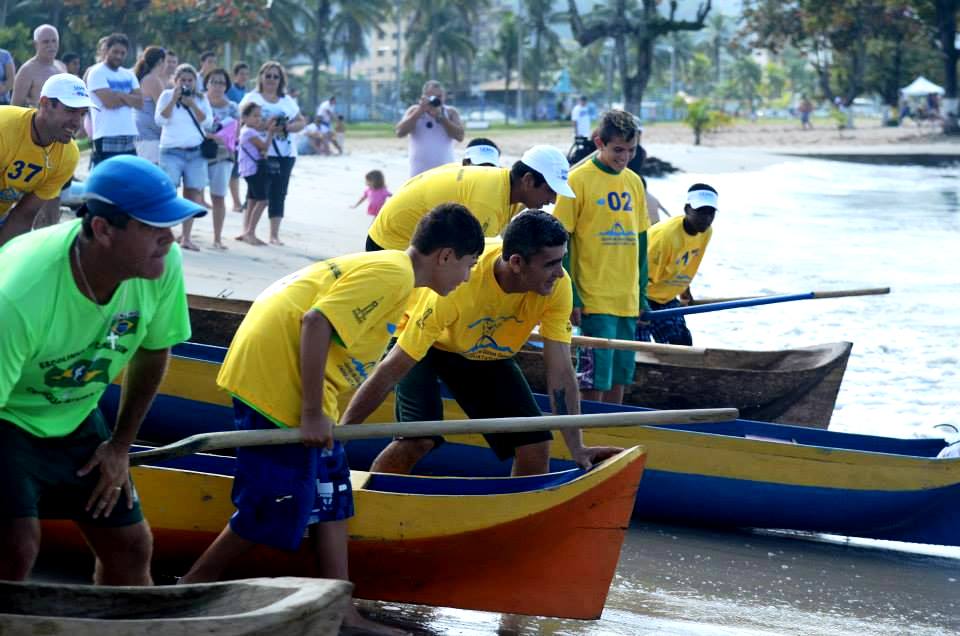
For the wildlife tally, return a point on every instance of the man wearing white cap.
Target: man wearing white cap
(608, 225)
(482, 152)
(38, 153)
(676, 248)
(79, 303)
(491, 195)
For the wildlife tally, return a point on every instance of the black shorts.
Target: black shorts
(482, 388)
(38, 475)
(372, 245)
(256, 187)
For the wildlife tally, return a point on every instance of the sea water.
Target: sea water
(796, 226)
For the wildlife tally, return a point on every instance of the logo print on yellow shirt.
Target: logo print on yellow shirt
(617, 235)
(486, 341)
(360, 313)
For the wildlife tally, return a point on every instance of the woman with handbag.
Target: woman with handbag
(282, 110)
(182, 113)
(255, 167)
(226, 120)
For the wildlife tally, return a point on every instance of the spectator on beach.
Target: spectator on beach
(311, 141)
(39, 68)
(674, 254)
(582, 119)
(493, 195)
(309, 339)
(116, 96)
(805, 108)
(326, 116)
(225, 130)
(80, 303)
(277, 106)
(238, 88)
(469, 338)
(149, 70)
(208, 62)
(38, 153)
(340, 134)
(8, 71)
(256, 137)
(183, 114)
(607, 221)
(172, 63)
(433, 127)
(375, 194)
(482, 152)
(71, 61)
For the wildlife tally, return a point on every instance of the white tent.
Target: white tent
(921, 87)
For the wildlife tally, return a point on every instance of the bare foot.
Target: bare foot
(354, 623)
(187, 244)
(218, 245)
(275, 241)
(240, 237)
(238, 208)
(252, 240)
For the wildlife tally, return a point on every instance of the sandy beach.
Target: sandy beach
(320, 222)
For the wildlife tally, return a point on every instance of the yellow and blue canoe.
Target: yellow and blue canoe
(544, 545)
(725, 474)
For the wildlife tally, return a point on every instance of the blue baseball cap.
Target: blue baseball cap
(140, 189)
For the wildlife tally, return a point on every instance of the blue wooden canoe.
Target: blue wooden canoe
(734, 474)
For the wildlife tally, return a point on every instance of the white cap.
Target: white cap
(68, 89)
(482, 155)
(702, 198)
(554, 167)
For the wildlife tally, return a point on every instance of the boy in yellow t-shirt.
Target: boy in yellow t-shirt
(608, 225)
(675, 252)
(308, 338)
(469, 339)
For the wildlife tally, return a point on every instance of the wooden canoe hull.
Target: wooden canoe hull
(792, 386)
(545, 545)
(271, 607)
(710, 474)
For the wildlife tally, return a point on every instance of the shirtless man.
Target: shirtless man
(39, 68)
(26, 92)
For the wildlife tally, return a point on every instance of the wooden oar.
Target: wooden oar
(841, 293)
(235, 439)
(660, 314)
(628, 345)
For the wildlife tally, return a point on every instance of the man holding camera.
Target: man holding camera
(433, 126)
(115, 93)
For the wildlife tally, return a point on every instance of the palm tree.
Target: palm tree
(439, 31)
(719, 33)
(506, 53)
(546, 43)
(348, 33)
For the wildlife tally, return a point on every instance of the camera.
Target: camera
(186, 91)
(282, 121)
(435, 101)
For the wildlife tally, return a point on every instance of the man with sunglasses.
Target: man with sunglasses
(38, 153)
(433, 126)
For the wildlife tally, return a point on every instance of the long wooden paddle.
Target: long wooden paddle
(660, 314)
(235, 439)
(628, 345)
(840, 293)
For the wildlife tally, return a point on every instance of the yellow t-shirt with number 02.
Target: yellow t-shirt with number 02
(480, 321)
(25, 166)
(483, 190)
(609, 211)
(363, 297)
(674, 258)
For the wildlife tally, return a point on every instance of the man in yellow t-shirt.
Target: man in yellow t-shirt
(308, 338)
(468, 340)
(491, 194)
(37, 151)
(675, 252)
(608, 225)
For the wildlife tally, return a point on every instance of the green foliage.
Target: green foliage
(701, 117)
(16, 38)
(839, 118)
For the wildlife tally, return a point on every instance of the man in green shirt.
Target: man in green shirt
(79, 303)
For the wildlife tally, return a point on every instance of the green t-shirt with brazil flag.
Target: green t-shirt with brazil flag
(60, 351)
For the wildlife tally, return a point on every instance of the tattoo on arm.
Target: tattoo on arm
(560, 402)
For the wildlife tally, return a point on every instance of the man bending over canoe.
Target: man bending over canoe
(79, 303)
(493, 195)
(468, 340)
(308, 338)
(674, 253)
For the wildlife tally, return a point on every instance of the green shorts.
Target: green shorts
(38, 475)
(600, 369)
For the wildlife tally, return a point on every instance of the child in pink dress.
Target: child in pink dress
(375, 194)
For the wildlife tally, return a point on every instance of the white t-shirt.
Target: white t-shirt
(112, 122)
(286, 105)
(581, 114)
(326, 112)
(178, 130)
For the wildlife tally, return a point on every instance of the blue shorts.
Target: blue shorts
(281, 490)
(672, 330)
(218, 176)
(600, 369)
(185, 164)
